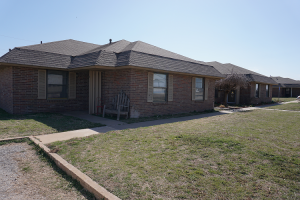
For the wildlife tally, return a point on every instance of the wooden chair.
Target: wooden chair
(119, 105)
(99, 106)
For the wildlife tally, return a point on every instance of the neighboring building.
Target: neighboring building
(288, 87)
(72, 75)
(259, 90)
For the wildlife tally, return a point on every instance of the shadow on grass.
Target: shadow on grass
(56, 121)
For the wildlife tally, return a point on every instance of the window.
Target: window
(267, 90)
(199, 89)
(257, 90)
(57, 84)
(159, 87)
(216, 93)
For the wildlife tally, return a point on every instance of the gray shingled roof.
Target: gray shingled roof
(68, 54)
(252, 76)
(65, 47)
(286, 82)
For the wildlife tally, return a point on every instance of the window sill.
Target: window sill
(198, 101)
(160, 103)
(57, 99)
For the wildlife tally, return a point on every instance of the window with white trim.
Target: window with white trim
(257, 90)
(57, 84)
(159, 87)
(199, 89)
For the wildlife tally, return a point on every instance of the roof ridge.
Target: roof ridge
(169, 57)
(100, 46)
(246, 69)
(18, 48)
(167, 50)
(58, 41)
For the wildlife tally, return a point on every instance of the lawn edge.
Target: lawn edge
(14, 138)
(86, 182)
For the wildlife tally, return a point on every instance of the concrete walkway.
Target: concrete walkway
(117, 125)
(92, 118)
(72, 134)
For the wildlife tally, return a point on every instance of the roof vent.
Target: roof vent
(41, 42)
(110, 41)
(9, 49)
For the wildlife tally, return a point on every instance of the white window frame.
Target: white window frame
(166, 88)
(202, 88)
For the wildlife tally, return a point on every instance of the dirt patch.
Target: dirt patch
(29, 176)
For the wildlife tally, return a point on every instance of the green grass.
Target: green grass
(238, 156)
(288, 106)
(157, 117)
(283, 99)
(39, 124)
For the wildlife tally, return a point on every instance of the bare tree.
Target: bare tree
(231, 82)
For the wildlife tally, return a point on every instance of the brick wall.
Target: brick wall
(275, 92)
(295, 92)
(245, 95)
(134, 82)
(112, 82)
(182, 96)
(25, 94)
(262, 94)
(6, 88)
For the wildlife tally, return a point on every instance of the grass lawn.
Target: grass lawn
(39, 124)
(288, 106)
(284, 99)
(244, 155)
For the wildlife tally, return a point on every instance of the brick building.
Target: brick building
(258, 91)
(285, 87)
(72, 75)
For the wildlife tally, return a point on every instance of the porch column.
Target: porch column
(94, 91)
(237, 96)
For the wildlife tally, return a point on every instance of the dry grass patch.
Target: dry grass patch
(237, 156)
(36, 177)
(39, 124)
(283, 99)
(288, 106)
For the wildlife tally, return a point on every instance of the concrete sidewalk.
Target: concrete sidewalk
(121, 125)
(45, 139)
(166, 121)
(92, 118)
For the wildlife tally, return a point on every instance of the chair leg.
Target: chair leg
(118, 113)
(103, 111)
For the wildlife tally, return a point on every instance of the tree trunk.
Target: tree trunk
(225, 98)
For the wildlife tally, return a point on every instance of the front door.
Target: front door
(287, 92)
(231, 97)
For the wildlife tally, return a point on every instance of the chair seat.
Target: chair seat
(115, 112)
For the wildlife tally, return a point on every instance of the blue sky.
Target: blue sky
(263, 36)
